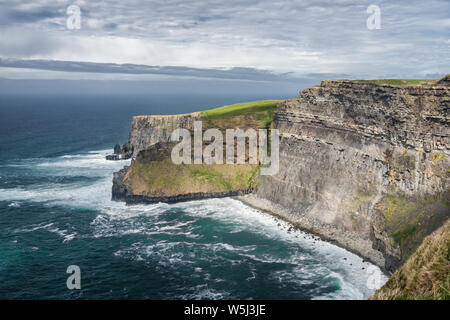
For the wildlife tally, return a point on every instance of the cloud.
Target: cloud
(16, 13)
(236, 73)
(302, 37)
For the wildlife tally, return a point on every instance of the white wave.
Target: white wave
(96, 195)
(90, 160)
(347, 290)
(14, 204)
(48, 227)
(202, 292)
(177, 226)
(33, 227)
(63, 234)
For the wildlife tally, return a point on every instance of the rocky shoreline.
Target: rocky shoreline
(342, 238)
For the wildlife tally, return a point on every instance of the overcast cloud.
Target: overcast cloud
(261, 40)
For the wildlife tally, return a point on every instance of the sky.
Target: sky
(238, 43)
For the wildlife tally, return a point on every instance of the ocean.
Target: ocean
(56, 211)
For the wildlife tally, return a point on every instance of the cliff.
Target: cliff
(364, 164)
(153, 177)
(146, 130)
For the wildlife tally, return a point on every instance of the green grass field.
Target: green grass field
(242, 115)
(401, 82)
(240, 109)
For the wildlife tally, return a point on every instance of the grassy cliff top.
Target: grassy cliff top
(256, 114)
(240, 109)
(426, 273)
(396, 82)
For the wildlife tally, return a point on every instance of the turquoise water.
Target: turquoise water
(55, 211)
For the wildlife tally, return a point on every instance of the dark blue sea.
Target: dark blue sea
(56, 211)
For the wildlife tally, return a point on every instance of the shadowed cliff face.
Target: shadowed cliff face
(148, 130)
(365, 164)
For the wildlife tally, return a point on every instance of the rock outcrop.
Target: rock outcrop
(112, 157)
(445, 81)
(117, 149)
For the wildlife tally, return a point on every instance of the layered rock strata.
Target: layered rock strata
(363, 164)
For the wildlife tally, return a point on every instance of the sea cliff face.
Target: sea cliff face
(148, 130)
(364, 164)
